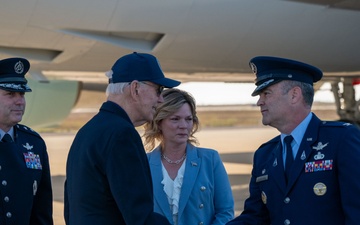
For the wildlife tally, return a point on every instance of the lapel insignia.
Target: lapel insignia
(275, 162)
(320, 146)
(263, 171)
(193, 163)
(28, 147)
(303, 155)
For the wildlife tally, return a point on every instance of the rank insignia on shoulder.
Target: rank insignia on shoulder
(32, 161)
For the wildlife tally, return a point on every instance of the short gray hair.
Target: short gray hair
(306, 89)
(114, 88)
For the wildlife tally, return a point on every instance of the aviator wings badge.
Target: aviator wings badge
(320, 146)
(28, 147)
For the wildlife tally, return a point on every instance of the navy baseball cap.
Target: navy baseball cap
(141, 67)
(12, 74)
(271, 70)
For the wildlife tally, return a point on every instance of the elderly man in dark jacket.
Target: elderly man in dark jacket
(108, 179)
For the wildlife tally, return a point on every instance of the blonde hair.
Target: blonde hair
(174, 99)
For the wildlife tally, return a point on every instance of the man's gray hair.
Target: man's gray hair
(307, 90)
(114, 88)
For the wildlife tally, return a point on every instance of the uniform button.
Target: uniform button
(8, 215)
(6, 199)
(201, 206)
(287, 200)
(203, 188)
(287, 222)
(4, 182)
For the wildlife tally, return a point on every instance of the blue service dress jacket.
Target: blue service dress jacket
(108, 178)
(324, 186)
(25, 181)
(205, 197)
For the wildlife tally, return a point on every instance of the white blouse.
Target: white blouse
(172, 189)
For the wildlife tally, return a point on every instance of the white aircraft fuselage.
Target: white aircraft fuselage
(207, 40)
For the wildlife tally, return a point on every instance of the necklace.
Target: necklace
(173, 162)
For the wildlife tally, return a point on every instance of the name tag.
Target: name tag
(32, 161)
(262, 178)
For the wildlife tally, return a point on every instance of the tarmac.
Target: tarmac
(235, 145)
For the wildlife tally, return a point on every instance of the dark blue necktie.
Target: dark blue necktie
(289, 156)
(7, 138)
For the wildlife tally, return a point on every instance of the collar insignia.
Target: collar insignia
(303, 155)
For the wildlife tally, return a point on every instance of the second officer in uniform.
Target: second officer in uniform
(309, 174)
(25, 182)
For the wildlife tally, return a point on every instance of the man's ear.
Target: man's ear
(296, 94)
(134, 88)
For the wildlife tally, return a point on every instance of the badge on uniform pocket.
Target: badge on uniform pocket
(32, 161)
(262, 178)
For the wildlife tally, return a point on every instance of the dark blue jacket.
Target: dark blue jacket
(324, 186)
(108, 174)
(25, 181)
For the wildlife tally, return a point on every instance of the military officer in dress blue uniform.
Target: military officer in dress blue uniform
(25, 182)
(309, 174)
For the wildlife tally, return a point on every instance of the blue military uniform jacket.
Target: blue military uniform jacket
(206, 196)
(25, 182)
(108, 178)
(324, 186)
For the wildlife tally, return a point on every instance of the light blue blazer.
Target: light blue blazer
(206, 197)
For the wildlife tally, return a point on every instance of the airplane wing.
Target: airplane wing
(194, 40)
(339, 4)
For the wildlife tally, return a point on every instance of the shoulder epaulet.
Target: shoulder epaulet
(336, 124)
(275, 139)
(27, 129)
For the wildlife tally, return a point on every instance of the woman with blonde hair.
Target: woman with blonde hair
(190, 183)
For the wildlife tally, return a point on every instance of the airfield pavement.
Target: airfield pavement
(235, 145)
